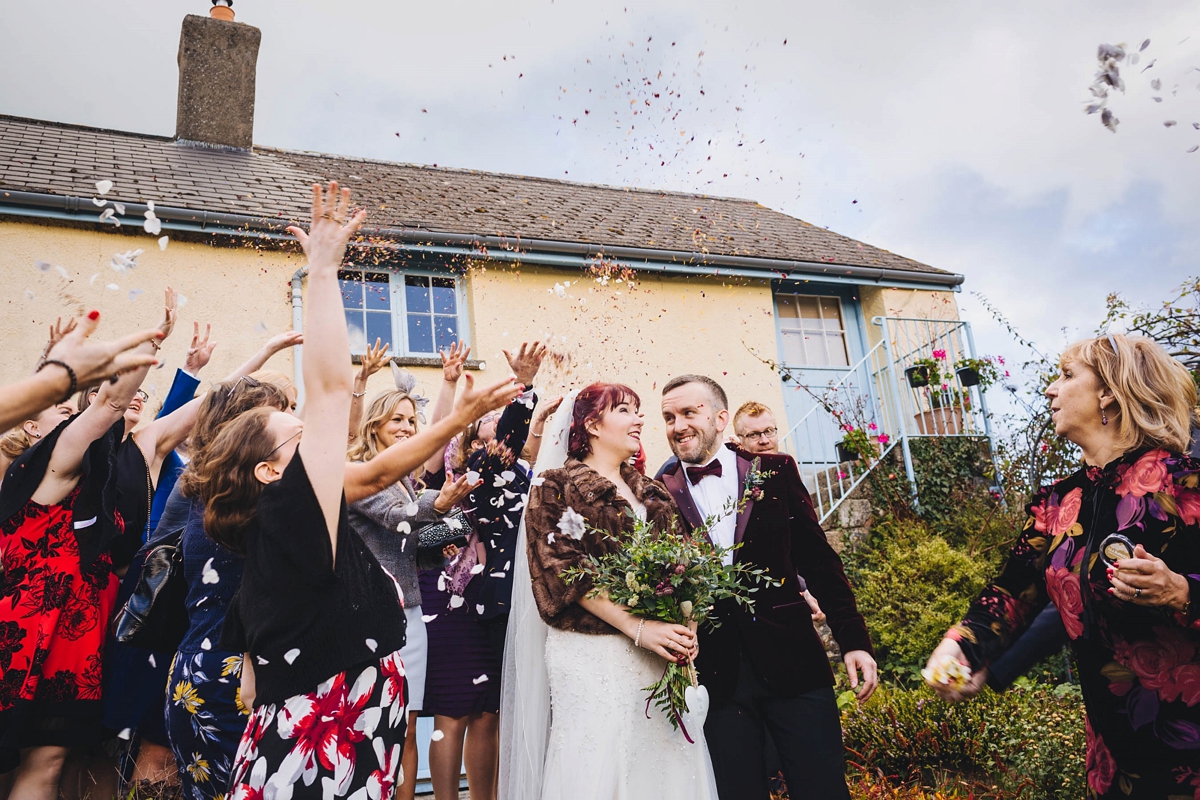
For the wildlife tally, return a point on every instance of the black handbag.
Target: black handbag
(155, 615)
(433, 538)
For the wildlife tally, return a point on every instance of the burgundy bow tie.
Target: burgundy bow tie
(696, 473)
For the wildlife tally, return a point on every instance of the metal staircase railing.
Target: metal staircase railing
(875, 394)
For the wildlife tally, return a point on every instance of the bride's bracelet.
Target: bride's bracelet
(637, 640)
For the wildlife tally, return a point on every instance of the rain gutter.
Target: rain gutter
(571, 255)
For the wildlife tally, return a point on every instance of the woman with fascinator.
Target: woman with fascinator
(1116, 547)
(573, 719)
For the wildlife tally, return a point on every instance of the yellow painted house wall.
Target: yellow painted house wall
(641, 335)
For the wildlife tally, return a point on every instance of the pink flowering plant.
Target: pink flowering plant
(665, 576)
(990, 369)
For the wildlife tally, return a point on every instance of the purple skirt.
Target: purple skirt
(463, 672)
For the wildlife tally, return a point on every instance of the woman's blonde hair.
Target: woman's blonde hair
(1155, 394)
(365, 444)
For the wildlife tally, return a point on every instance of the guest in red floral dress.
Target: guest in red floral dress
(58, 522)
(1131, 514)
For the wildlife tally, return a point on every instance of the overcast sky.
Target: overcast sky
(950, 132)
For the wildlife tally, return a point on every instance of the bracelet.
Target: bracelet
(358, 394)
(70, 374)
(637, 640)
(535, 435)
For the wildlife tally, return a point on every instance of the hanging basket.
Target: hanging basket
(917, 375)
(967, 376)
(845, 455)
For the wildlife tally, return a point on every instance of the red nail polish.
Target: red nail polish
(93, 315)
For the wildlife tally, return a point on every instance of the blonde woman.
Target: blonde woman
(388, 522)
(1116, 548)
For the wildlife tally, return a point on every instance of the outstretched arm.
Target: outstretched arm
(453, 361)
(326, 381)
(370, 477)
(91, 362)
(372, 361)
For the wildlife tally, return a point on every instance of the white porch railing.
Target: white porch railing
(875, 391)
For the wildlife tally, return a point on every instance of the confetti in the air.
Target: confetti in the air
(372, 645)
(104, 187)
(206, 645)
(456, 601)
(480, 679)
(208, 574)
(291, 655)
(436, 736)
(42, 266)
(427, 618)
(163, 241)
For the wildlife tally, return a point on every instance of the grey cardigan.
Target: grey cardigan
(376, 518)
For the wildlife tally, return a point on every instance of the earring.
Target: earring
(1103, 416)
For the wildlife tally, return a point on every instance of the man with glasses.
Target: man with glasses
(755, 429)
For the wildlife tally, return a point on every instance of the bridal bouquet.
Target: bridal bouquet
(662, 576)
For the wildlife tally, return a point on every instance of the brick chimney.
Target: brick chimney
(217, 62)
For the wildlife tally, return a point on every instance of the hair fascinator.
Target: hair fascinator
(407, 383)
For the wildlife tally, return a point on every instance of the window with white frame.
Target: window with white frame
(812, 329)
(418, 312)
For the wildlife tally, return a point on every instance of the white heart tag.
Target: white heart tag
(696, 698)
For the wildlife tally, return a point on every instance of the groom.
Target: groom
(766, 669)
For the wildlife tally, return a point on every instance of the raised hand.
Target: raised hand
(282, 341)
(544, 413)
(170, 313)
(94, 362)
(527, 361)
(474, 403)
(57, 331)
(373, 360)
(200, 351)
(453, 361)
(452, 494)
(332, 226)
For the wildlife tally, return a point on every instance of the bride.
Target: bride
(573, 719)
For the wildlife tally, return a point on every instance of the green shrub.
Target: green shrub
(1028, 743)
(911, 586)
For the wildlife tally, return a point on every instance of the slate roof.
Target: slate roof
(61, 159)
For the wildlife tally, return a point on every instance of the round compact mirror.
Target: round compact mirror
(1114, 548)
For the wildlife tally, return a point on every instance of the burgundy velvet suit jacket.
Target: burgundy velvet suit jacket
(778, 532)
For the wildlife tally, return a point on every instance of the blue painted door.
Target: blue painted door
(821, 334)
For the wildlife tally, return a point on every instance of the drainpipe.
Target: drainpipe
(298, 326)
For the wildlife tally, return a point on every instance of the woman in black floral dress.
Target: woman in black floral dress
(1116, 547)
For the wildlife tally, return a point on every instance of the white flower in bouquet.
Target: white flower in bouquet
(948, 672)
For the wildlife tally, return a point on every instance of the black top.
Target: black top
(134, 497)
(302, 615)
(494, 509)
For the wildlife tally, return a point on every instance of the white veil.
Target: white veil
(525, 692)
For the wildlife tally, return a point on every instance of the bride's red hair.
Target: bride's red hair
(591, 404)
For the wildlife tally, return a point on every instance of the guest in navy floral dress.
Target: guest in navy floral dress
(1126, 603)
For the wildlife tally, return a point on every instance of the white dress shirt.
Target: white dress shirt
(717, 497)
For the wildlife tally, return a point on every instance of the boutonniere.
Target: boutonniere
(756, 476)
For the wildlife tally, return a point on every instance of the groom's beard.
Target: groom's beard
(697, 450)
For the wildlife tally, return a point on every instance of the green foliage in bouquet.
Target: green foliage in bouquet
(658, 575)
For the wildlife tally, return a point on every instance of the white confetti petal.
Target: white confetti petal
(112, 287)
(404, 527)
(98, 202)
(499, 574)
(206, 645)
(479, 609)
(480, 679)
(120, 208)
(133, 293)
(508, 475)
(162, 242)
(182, 300)
(28, 294)
(372, 645)
(442, 582)
(63, 271)
(125, 734)
(42, 266)
(472, 477)
(152, 225)
(105, 214)
(104, 187)
(153, 663)
(92, 282)
(436, 736)
(291, 655)
(456, 601)
(263, 661)
(538, 481)
(427, 618)
(478, 568)
(209, 575)
(452, 523)
(507, 565)
(411, 510)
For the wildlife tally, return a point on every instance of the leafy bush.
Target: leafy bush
(911, 586)
(1027, 744)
